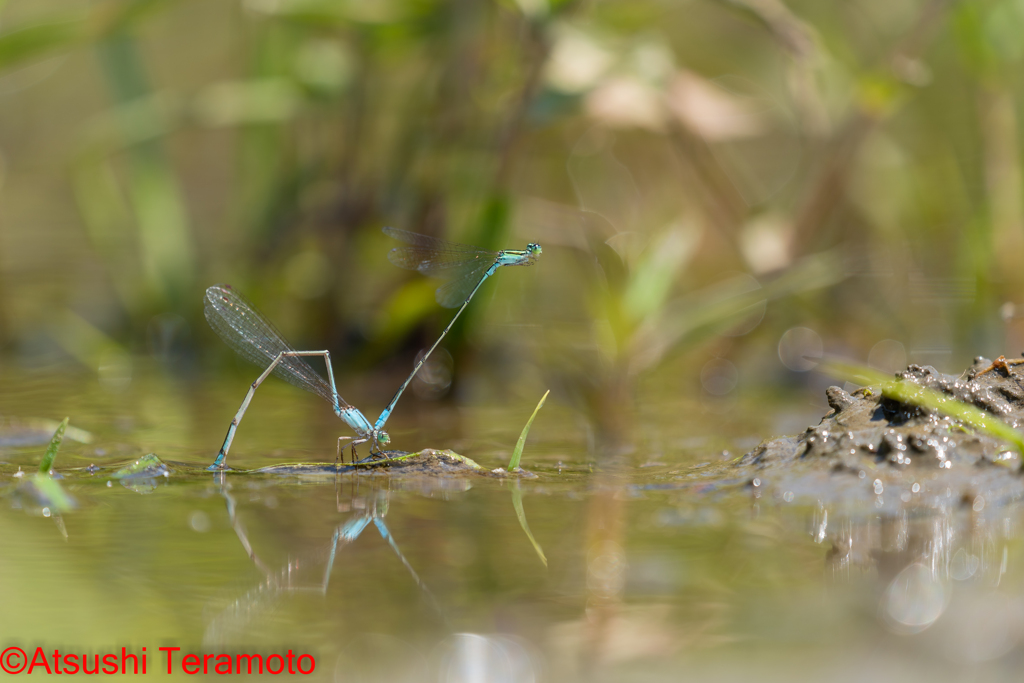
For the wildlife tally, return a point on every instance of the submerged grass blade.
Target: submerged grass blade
(517, 503)
(913, 394)
(517, 454)
(51, 450)
(59, 521)
(51, 496)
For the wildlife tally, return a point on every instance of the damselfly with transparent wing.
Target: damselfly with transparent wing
(462, 265)
(465, 267)
(242, 327)
(252, 336)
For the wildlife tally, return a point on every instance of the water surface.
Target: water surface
(661, 565)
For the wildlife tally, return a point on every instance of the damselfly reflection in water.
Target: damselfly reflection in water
(301, 574)
(254, 337)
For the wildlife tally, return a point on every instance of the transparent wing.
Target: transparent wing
(253, 337)
(435, 257)
(461, 264)
(454, 293)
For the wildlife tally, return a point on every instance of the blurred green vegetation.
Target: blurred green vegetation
(718, 186)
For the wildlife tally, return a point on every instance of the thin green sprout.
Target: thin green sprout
(50, 489)
(46, 464)
(517, 454)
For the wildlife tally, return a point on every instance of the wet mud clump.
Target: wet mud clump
(866, 429)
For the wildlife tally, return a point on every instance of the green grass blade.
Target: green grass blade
(517, 503)
(156, 198)
(651, 281)
(71, 29)
(33, 42)
(913, 394)
(517, 454)
(51, 450)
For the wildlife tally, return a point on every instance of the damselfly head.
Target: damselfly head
(533, 250)
(383, 438)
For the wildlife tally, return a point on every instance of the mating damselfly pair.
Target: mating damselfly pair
(252, 336)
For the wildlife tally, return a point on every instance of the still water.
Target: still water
(662, 565)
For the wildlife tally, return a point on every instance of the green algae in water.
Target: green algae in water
(149, 465)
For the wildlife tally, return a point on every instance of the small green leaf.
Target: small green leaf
(51, 450)
(517, 454)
